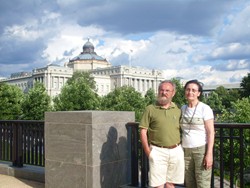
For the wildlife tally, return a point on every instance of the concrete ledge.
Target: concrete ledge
(29, 172)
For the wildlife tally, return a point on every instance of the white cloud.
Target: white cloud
(211, 44)
(22, 32)
(231, 51)
(237, 65)
(69, 38)
(237, 30)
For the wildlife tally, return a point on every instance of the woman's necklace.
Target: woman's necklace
(191, 119)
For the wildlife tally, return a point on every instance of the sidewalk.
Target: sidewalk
(12, 182)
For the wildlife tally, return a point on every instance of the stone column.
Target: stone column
(87, 149)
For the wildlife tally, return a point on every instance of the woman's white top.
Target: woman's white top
(192, 125)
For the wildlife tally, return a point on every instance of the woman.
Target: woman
(197, 124)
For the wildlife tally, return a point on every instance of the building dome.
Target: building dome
(88, 47)
(87, 59)
(88, 53)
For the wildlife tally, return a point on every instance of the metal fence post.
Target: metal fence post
(17, 155)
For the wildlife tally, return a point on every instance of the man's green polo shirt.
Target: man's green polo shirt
(162, 124)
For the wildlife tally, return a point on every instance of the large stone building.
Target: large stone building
(52, 76)
(107, 77)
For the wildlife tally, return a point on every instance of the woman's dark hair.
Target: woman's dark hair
(199, 84)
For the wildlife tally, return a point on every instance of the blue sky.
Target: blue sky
(207, 40)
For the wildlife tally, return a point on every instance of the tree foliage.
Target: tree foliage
(215, 102)
(89, 80)
(124, 98)
(240, 112)
(10, 102)
(150, 97)
(35, 103)
(77, 95)
(225, 96)
(245, 84)
(179, 97)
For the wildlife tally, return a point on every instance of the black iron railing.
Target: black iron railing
(231, 153)
(22, 142)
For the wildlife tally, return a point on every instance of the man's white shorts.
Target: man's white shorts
(166, 165)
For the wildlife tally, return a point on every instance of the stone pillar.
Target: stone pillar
(87, 149)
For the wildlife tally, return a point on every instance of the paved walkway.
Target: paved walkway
(12, 182)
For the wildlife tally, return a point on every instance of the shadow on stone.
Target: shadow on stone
(113, 160)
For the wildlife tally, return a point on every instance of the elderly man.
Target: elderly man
(160, 137)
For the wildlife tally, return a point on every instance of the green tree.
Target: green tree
(89, 80)
(10, 102)
(124, 98)
(214, 101)
(227, 96)
(234, 95)
(240, 112)
(150, 97)
(223, 94)
(245, 84)
(77, 95)
(179, 97)
(36, 102)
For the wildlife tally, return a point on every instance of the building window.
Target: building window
(133, 82)
(60, 85)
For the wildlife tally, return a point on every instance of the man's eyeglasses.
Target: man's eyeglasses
(167, 91)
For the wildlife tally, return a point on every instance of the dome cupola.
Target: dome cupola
(88, 47)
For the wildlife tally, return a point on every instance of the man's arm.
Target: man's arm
(144, 141)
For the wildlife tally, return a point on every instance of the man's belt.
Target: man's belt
(168, 147)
